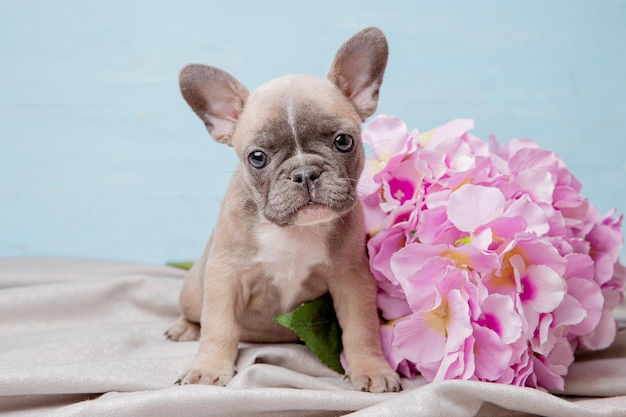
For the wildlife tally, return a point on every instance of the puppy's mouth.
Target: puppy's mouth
(313, 213)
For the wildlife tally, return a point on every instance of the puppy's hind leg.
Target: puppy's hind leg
(183, 330)
(187, 326)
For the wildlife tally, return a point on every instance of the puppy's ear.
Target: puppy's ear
(359, 67)
(216, 97)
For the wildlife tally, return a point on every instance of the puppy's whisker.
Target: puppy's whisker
(368, 188)
(342, 220)
(377, 145)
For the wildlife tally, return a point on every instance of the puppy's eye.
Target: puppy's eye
(344, 143)
(258, 159)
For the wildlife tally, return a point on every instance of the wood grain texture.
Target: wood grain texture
(101, 157)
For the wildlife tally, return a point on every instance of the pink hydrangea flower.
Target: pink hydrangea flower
(490, 264)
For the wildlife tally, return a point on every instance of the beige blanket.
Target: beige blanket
(85, 338)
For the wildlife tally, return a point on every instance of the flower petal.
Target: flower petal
(534, 215)
(491, 353)
(418, 342)
(499, 314)
(472, 206)
(603, 335)
(543, 289)
(590, 297)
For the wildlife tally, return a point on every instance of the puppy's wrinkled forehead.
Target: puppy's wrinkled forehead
(293, 109)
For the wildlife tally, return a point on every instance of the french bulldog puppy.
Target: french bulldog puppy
(290, 227)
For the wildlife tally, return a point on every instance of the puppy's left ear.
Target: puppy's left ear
(358, 69)
(216, 97)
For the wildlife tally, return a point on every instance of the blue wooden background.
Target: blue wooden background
(100, 156)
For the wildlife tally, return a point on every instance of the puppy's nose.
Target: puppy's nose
(306, 175)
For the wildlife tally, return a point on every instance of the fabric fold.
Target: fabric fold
(85, 337)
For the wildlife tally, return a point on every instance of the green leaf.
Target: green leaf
(316, 324)
(181, 265)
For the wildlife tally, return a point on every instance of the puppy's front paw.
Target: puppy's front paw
(199, 376)
(375, 378)
(208, 374)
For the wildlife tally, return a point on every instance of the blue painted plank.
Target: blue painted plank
(100, 156)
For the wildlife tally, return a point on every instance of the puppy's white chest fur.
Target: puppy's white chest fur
(288, 254)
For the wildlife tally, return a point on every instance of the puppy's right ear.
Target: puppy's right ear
(358, 69)
(216, 97)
